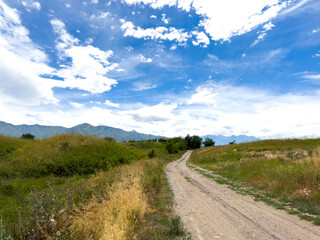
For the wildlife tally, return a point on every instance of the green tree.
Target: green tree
(193, 142)
(27, 136)
(208, 142)
(176, 144)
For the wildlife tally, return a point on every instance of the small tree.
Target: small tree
(233, 142)
(208, 142)
(27, 136)
(193, 142)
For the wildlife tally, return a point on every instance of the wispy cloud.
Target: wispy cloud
(143, 59)
(263, 33)
(311, 77)
(141, 86)
(266, 59)
(111, 104)
(31, 5)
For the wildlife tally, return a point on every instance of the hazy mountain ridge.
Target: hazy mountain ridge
(223, 140)
(41, 131)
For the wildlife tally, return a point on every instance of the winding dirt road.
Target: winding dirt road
(212, 211)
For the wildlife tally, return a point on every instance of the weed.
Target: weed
(176, 227)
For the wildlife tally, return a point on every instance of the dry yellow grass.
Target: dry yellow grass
(117, 217)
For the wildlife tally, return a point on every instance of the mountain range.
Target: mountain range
(119, 135)
(41, 131)
(223, 140)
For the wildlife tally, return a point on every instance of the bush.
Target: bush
(193, 142)
(208, 142)
(28, 136)
(109, 139)
(151, 153)
(176, 144)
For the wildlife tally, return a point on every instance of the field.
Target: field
(283, 173)
(78, 187)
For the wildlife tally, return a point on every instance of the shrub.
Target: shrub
(151, 153)
(28, 136)
(208, 142)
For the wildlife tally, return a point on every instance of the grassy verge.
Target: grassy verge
(77, 187)
(162, 223)
(282, 173)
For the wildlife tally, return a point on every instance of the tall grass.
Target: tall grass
(78, 187)
(118, 215)
(287, 168)
(63, 155)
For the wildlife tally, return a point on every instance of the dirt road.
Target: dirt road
(212, 211)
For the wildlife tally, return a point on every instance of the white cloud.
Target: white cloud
(316, 54)
(22, 63)
(89, 65)
(268, 26)
(225, 19)
(149, 115)
(213, 108)
(153, 16)
(76, 105)
(263, 33)
(316, 30)
(310, 77)
(67, 5)
(201, 39)
(164, 19)
(31, 5)
(154, 33)
(89, 41)
(141, 86)
(111, 104)
(64, 40)
(264, 60)
(94, 1)
(295, 6)
(143, 59)
(173, 47)
(104, 15)
(253, 110)
(163, 33)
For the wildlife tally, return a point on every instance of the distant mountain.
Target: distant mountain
(223, 140)
(85, 129)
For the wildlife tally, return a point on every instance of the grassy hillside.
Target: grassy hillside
(45, 185)
(285, 173)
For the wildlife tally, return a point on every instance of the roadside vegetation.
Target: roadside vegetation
(283, 173)
(176, 144)
(80, 187)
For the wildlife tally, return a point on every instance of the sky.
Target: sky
(163, 67)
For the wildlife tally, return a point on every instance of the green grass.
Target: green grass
(63, 155)
(282, 173)
(162, 223)
(43, 181)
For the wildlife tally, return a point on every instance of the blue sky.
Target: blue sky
(167, 67)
